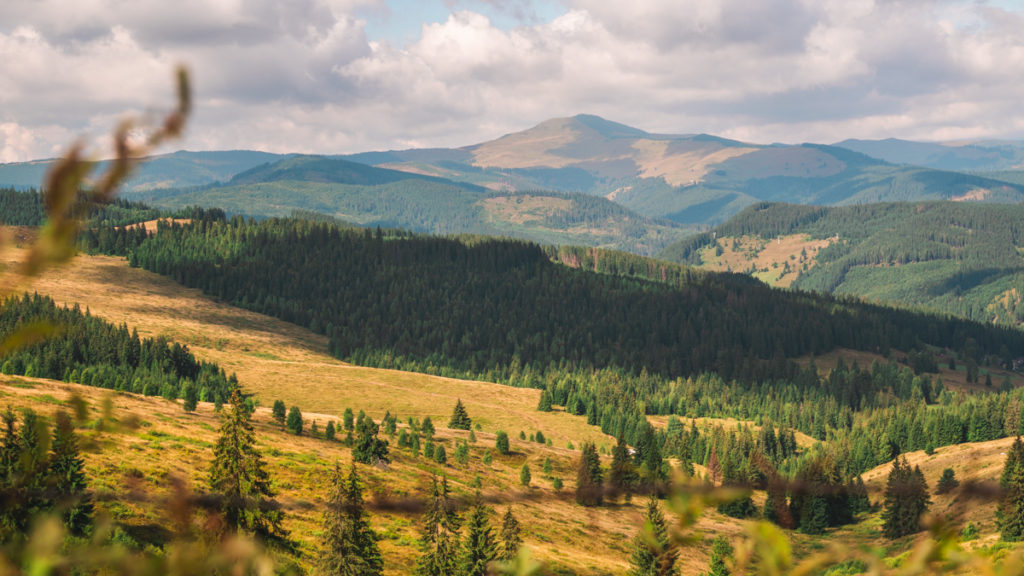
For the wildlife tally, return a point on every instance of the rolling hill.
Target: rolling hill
(965, 259)
(374, 196)
(982, 156)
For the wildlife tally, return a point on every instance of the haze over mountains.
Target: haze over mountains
(620, 187)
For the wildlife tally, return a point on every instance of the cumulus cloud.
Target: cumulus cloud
(304, 75)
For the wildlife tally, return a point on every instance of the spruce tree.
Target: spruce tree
(524, 475)
(947, 482)
(349, 544)
(544, 405)
(460, 419)
(622, 477)
(589, 477)
(479, 548)
(67, 472)
(511, 539)
(279, 412)
(427, 427)
(439, 534)
(294, 423)
(347, 419)
(330, 432)
(501, 442)
(368, 448)
(906, 500)
(653, 554)
(190, 397)
(238, 476)
(1010, 512)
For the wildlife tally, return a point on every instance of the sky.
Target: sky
(345, 76)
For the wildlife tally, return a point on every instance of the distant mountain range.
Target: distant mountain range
(582, 180)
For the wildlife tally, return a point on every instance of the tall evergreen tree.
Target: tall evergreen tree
(511, 539)
(279, 412)
(67, 472)
(439, 534)
(369, 449)
(1010, 513)
(294, 423)
(906, 500)
(349, 544)
(589, 477)
(479, 548)
(460, 418)
(653, 553)
(238, 475)
(622, 476)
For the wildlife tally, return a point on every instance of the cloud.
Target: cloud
(306, 77)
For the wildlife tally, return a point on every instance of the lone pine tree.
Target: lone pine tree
(479, 547)
(349, 544)
(460, 418)
(239, 477)
(511, 539)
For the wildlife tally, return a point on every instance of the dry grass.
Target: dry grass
(277, 360)
(767, 257)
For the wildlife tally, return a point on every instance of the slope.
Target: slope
(375, 196)
(958, 258)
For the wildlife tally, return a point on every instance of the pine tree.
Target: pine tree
(653, 554)
(589, 477)
(721, 551)
(524, 475)
(346, 419)
(190, 397)
(349, 544)
(439, 535)
(511, 540)
(279, 412)
(440, 455)
(67, 472)
(330, 432)
(1010, 512)
(427, 427)
(239, 477)
(501, 442)
(460, 419)
(622, 477)
(906, 500)
(947, 482)
(368, 448)
(294, 422)
(479, 548)
(544, 405)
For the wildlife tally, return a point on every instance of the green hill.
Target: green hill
(373, 196)
(959, 258)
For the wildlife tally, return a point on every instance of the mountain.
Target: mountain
(375, 196)
(175, 170)
(976, 156)
(960, 258)
(689, 179)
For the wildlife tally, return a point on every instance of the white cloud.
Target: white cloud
(303, 76)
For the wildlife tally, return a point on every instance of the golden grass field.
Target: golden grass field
(156, 439)
(767, 257)
(277, 360)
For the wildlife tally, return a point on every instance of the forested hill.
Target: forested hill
(959, 258)
(487, 307)
(374, 196)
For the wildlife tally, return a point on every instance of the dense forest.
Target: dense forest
(81, 348)
(954, 257)
(484, 306)
(28, 208)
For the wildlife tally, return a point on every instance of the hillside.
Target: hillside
(374, 196)
(982, 156)
(957, 258)
(174, 170)
(690, 179)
